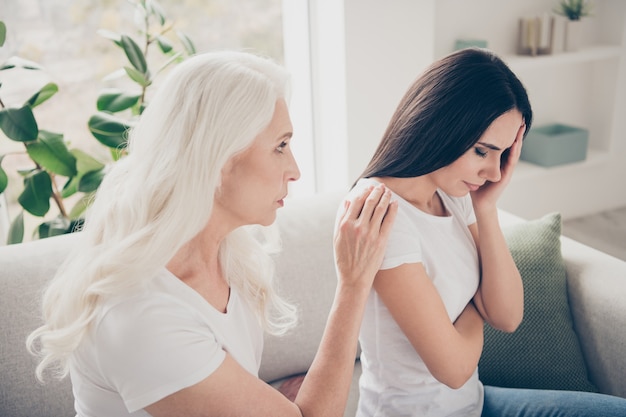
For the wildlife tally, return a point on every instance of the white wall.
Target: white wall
(387, 45)
(383, 46)
(365, 53)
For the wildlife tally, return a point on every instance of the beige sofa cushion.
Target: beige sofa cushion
(544, 352)
(24, 271)
(306, 277)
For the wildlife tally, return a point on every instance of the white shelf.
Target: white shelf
(525, 170)
(585, 88)
(589, 54)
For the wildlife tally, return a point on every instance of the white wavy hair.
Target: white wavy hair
(156, 199)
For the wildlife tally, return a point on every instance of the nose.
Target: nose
(293, 172)
(492, 172)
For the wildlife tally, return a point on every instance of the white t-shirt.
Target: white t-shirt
(395, 381)
(147, 346)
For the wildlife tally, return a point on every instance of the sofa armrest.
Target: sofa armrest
(597, 289)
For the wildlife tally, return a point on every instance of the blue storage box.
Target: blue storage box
(555, 144)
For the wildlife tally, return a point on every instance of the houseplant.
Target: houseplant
(55, 171)
(59, 174)
(109, 125)
(574, 11)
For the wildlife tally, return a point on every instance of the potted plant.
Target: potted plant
(56, 175)
(574, 11)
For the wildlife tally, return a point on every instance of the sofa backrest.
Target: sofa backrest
(24, 271)
(305, 275)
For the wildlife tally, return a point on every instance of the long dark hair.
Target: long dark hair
(445, 112)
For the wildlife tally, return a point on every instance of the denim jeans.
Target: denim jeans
(513, 402)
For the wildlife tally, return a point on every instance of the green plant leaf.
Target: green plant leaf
(137, 77)
(574, 9)
(84, 164)
(169, 61)
(108, 129)
(71, 187)
(155, 9)
(25, 171)
(51, 153)
(81, 206)
(115, 37)
(4, 179)
(114, 100)
(58, 226)
(16, 231)
(43, 94)
(187, 43)
(3, 32)
(16, 61)
(37, 192)
(164, 44)
(117, 154)
(19, 124)
(134, 54)
(115, 75)
(90, 181)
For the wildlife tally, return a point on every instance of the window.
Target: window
(62, 36)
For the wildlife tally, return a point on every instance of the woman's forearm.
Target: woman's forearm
(326, 387)
(500, 297)
(359, 244)
(469, 325)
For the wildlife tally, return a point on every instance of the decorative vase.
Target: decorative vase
(573, 35)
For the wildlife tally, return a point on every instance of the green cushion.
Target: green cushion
(544, 351)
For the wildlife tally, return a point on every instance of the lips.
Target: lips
(472, 187)
(281, 202)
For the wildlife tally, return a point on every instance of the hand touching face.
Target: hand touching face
(486, 168)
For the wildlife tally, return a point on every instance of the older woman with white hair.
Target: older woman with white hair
(161, 308)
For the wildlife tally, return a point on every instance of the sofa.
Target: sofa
(594, 290)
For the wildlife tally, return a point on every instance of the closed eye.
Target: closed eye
(480, 152)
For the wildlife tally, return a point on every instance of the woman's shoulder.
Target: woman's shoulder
(362, 184)
(149, 300)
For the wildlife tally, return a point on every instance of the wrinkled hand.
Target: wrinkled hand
(490, 192)
(361, 236)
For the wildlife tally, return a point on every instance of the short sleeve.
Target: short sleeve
(151, 348)
(403, 245)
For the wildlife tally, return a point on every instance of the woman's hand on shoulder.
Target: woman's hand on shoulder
(361, 236)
